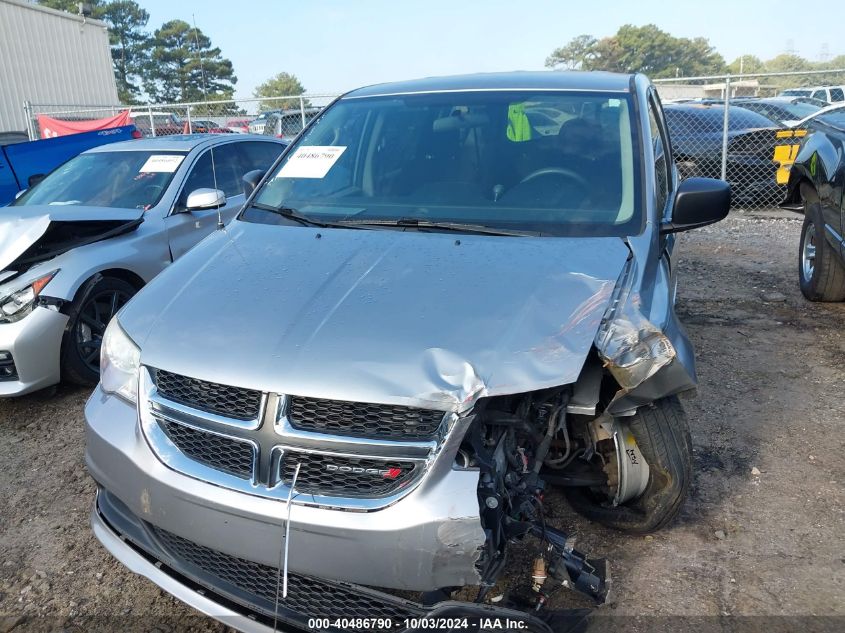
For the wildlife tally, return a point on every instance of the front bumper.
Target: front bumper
(35, 345)
(248, 602)
(429, 539)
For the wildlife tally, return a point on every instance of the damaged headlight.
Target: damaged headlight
(17, 305)
(120, 361)
(632, 347)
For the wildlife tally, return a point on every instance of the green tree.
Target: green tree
(747, 64)
(575, 55)
(129, 46)
(280, 85)
(788, 62)
(646, 49)
(72, 6)
(184, 66)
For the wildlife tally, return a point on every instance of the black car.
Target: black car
(782, 110)
(696, 130)
(817, 189)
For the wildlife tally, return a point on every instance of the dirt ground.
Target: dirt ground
(763, 533)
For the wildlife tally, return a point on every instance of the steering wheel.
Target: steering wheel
(557, 171)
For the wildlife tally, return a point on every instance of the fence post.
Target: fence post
(188, 114)
(152, 123)
(30, 126)
(725, 125)
(302, 110)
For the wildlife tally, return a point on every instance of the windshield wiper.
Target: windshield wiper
(292, 214)
(458, 227)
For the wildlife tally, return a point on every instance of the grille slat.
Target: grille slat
(310, 597)
(251, 452)
(221, 453)
(363, 419)
(333, 475)
(212, 397)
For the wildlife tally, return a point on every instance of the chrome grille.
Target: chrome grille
(363, 419)
(225, 400)
(306, 595)
(220, 452)
(192, 427)
(335, 475)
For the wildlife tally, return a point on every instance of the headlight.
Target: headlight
(632, 347)
(120, 361)
(20, 303)
(633, 350)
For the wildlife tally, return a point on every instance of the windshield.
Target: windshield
(782, 111)
(559, 163)
(695, 120)
(796, 92)
(120, 180)
(834, 118)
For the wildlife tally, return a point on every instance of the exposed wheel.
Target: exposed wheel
(90, 313)
(821, 274)
(662, 436)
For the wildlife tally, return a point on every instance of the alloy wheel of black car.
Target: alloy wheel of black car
(821, 274)
(91, 314)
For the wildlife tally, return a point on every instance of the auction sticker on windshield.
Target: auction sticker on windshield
(311, 161)
(159, 163)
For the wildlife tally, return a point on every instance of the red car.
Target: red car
(241, 126)
(202, 126)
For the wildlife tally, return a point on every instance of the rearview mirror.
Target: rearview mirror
(698, 202)
(205, 198)
(34, 179)
(251, 180)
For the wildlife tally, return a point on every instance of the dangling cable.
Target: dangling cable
(282, 579)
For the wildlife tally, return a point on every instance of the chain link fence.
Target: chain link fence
(283, 117)
(746, 129)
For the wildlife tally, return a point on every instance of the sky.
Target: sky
(336, 45)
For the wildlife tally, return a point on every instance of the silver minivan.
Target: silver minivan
(445, 298)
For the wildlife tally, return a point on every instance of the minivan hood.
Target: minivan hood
(422, 319)
(22, 227)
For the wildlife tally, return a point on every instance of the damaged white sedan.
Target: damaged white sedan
(447, 296)
(78, 245)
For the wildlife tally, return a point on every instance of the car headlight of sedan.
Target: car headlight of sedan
(120, 363)
(17, 305)
(632, 347)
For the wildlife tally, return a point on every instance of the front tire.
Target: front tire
(662, 435)
(821, 274)
(90, 313)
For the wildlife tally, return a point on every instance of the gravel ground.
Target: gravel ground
(761, 535)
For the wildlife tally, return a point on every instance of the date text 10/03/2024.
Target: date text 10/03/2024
(427, 624)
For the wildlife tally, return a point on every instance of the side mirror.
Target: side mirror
(34, 179)
(20, 193)
(205, 198)
(251, 180)
(698, 202)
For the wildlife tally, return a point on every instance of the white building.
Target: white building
(50, 57)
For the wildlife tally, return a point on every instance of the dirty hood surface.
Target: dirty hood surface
(21, 227)
(423, 319)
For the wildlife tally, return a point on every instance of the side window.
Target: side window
(226, 168)
(258, 155)
(837, 94)
(820, 94)
(661, 163)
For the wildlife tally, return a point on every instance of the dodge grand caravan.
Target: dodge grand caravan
(445, 298)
